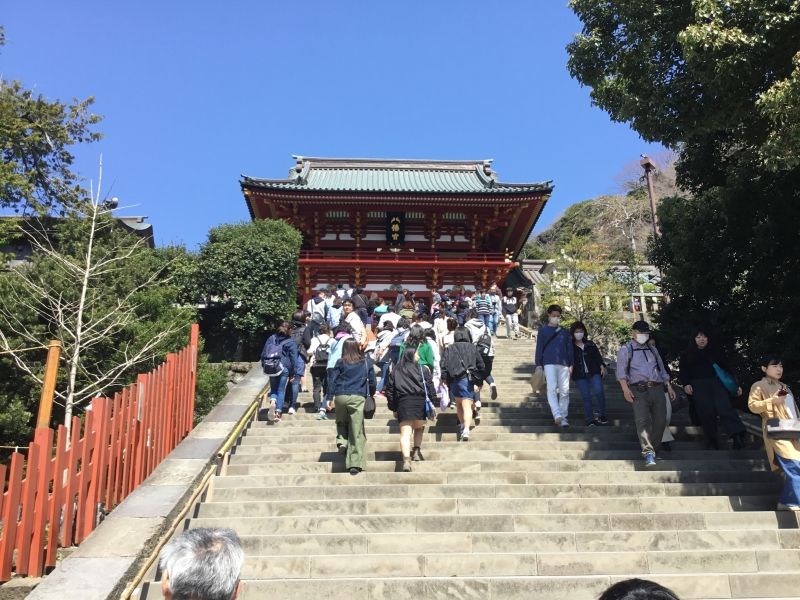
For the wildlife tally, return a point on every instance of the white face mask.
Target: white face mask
(642, 337)
(555, 321)
(579, 335)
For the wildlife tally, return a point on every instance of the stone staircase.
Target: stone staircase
(524, 510)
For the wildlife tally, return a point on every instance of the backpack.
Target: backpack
(484, 344)
(271, 357)
(322, 353)
(631, 350)
(398, 339)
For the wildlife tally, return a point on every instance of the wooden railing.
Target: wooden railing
(53, 498)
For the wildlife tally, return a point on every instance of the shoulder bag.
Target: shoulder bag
(430, 410)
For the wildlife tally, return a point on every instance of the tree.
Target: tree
(100, 291)
(582, 283)
(719, 81)
(36, 134)
(247, 277)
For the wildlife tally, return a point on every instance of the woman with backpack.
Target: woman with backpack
(460, 362)
(408, 386)
(279, 360)
(319, 351)
(351, 380)
(588, 372)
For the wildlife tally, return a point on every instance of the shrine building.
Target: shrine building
(384, 224)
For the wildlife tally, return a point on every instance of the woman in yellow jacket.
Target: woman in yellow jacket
(773, 400)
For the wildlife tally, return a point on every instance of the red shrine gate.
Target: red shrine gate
(417, 224)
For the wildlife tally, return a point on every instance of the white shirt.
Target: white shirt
(316, 342)
(357, 324)
(391, 317)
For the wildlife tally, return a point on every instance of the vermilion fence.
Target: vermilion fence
(52, 498)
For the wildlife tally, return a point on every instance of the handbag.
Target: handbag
(369, 399)
(728, 382)
(783, 429)
(444, 396)
(538, 381)
(430, 410)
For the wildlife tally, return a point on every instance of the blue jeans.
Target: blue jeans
(277, 389)
(293, 391)
(588, 387)
(495, 323)
(384, 372)
(790, 496)
(487, 320)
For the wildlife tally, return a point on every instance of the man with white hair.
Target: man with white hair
(202, 564)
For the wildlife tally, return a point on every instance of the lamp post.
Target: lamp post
(649, 166)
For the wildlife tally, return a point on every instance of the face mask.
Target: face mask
(579, 335)
(555, 321)
(642, 337)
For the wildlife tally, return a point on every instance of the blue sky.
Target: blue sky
(195, 93)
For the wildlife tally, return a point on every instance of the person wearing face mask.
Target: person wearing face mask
(772, 399)
(554, 354)
(643, 379)
(588, 372)
(698, 375)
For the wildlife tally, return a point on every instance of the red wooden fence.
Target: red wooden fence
(52, 499)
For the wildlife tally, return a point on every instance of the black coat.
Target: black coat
(405, 383)
(589, 353)
(460, 356)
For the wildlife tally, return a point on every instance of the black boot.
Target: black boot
(739, 441)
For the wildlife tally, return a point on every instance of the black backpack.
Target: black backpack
(484, 344)
(322, 353)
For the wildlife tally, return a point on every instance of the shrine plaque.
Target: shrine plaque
(395, 228)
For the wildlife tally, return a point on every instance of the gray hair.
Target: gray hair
(203, 564)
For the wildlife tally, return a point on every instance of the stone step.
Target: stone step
(544, 490)
(241, 488)
(538, 541)
(686, 586)
(615, 498)
(456, 460)
(552, 522)
(322, 451)
(531, 477)
(281, 434)
(261, 465)
(507, 564)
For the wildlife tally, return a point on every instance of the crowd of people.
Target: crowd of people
(412, 354)
(409, 352)
(567, 355)
(206, 564)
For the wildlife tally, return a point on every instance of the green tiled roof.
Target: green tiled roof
(378, 175)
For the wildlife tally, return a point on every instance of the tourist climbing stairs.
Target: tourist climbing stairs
(525, 509)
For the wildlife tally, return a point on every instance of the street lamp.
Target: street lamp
(649, 167)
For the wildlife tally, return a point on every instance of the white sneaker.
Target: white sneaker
(290, 411)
